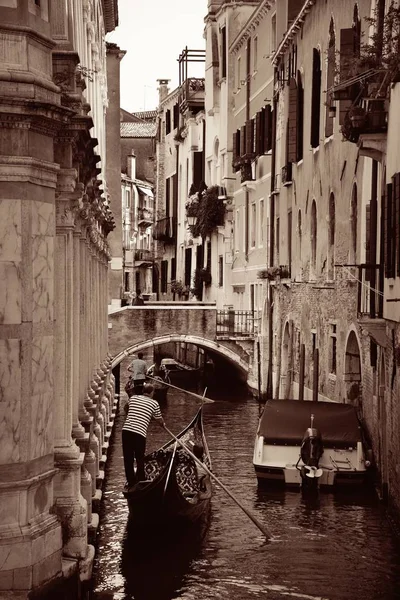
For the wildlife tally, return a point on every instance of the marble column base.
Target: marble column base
(70, 505)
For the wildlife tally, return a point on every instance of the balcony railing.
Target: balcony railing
(145, 216)
(144, 255)
(237, 323)
(370, 291)
(192, 93)
(165, 230)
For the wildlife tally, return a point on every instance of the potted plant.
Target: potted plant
(358, 116)
(177, 287)
(211, 213)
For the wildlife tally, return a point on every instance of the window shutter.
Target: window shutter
(315, 99)
(197, 169)
(367, 238)
(268, 128)
(300, 120)
(234, 149)
(249, 137)
(329, 83)
(262, 131)
(242, 140)
(396, 224)
(346, 56)
(258, 138)
(388, 230)
(292, 122)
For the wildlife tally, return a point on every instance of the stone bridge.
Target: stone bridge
(135, 328)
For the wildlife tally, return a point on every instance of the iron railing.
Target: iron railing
(144, 255)
(237, 323)
(370, 291)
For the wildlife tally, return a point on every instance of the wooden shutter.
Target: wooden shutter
(234, 149)
(396, 225)
(268, 128)
(315, 99)
(242, 140)
(292, 122)
(330, 79)
(367, 239)
(198, 175)
(300, 119)
(262, 131)
(249, 137)
(387, 216)
(346, 56)
(258, 137)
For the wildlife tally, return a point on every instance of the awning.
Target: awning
(146, 191)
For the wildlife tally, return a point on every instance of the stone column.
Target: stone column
(70, 505)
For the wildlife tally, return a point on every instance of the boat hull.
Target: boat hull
(171, 496)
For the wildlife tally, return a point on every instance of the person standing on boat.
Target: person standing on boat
(138, 368)
(141, 409)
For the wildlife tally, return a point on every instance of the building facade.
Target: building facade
(56, 388)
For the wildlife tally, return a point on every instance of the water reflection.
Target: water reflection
(328, 547)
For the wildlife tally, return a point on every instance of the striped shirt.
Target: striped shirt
(141, 410)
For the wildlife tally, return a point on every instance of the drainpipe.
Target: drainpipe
(271, 251)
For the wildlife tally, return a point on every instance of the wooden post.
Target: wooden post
(259, 369)
(316, 375)
(301, 375)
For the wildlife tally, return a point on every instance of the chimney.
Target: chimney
(163, 89)
(131, 165)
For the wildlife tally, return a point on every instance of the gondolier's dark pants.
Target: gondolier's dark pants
(133, 446)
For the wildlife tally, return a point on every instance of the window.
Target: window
(273, 33)
(313, 235)
(300, 118)
(238, 73)
(188, 267)
(237, 230)
(164, 276)
(331, 238)
(353, 225)
(223, 52)
(253, 225)
(330, 79)
(127, 199)
(277, 239)
(220, 271)
(315, 99)
(255, 52)
(261, 221)
(126, 282)
(332, 349)
(176, 116)
(167, 122)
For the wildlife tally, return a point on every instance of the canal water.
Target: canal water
(336, 547)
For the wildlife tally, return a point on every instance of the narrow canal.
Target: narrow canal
(338, 547)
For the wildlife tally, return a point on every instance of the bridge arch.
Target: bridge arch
(215, 346)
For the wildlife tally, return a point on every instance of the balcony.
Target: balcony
(145, 217)
(237, 323)
(191, 96)
(366, 121)
(165, 230)
(246, 170)
(144, 256)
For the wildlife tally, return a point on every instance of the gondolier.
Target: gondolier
(141, 409)
(138, 368)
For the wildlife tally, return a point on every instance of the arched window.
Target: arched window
(330, 79)
(313, 236)
(353, 225)
(331, 238)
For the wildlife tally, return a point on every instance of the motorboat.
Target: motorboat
(304, 442)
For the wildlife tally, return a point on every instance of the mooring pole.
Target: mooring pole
(301, 374)
(316, 375)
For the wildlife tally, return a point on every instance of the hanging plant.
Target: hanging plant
(210, 214)
(177, 287)
(197, 289)
(205, 275)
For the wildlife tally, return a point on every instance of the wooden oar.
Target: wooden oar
(202, 398)
(256, 522)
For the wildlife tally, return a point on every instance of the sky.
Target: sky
(154, 33)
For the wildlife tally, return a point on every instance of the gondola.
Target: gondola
(171, 496)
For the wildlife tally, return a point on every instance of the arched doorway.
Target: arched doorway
(352, 372)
